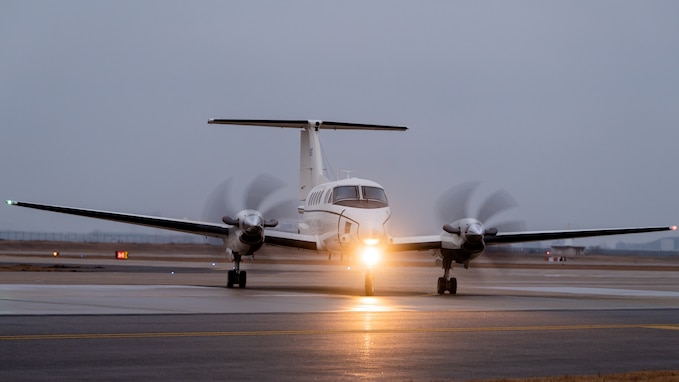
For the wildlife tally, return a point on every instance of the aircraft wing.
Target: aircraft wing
(179, 225)
(415, 243)
(520, 237)
(421, 243)
(288, 239)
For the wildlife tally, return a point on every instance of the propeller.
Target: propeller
(456, 204)
(219, 205)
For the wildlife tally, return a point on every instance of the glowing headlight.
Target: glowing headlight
(370, 255)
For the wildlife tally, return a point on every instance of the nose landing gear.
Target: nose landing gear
(369, 283)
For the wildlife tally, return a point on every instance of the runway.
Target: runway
(158, 320)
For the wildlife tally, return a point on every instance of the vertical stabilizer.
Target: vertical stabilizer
(310, 160)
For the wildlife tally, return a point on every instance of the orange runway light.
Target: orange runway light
(121, 255)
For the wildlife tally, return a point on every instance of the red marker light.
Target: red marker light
(674, 228)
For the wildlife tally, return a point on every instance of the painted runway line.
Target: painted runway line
(595, 291)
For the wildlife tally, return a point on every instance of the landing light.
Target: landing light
(371, 241)
(370, 256)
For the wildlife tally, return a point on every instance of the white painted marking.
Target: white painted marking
(596, 291)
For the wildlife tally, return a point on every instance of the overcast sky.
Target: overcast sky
(572, 107)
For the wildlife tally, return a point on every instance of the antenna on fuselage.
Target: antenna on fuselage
(311, 157)
(348, 172)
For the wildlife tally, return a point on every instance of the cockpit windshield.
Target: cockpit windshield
(343, 193)
(375, 194)
(359, 197)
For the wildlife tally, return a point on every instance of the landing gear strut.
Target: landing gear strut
(236, 276)
(444, 283)
(369, 283)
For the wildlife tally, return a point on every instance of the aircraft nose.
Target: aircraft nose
(371, 232)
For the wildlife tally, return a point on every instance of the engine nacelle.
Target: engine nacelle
(247, 233)
(465, 234)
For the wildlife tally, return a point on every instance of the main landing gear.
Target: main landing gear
(444, 283)
(236, 276)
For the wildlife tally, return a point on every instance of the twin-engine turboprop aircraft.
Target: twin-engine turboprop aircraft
(349, 216)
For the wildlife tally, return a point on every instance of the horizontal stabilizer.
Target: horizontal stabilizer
(302, 124)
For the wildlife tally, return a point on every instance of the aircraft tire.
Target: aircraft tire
(441, 286)
(242, 278)
(229, 279)
(452, 286)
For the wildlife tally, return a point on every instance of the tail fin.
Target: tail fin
(310, 162)
(311, 157)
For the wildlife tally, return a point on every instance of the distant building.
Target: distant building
(566, 250)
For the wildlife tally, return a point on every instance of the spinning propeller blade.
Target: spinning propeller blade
(456, 204)
(220, 202)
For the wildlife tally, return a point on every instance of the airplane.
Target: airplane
(348, 216)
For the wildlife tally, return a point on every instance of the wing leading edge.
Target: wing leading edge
(520, 237)
(187, 226)
(179, 225)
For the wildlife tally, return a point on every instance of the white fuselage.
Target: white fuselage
(347, 215)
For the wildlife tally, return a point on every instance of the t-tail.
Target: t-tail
(311, 172)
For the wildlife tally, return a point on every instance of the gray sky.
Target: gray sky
(572, 107)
